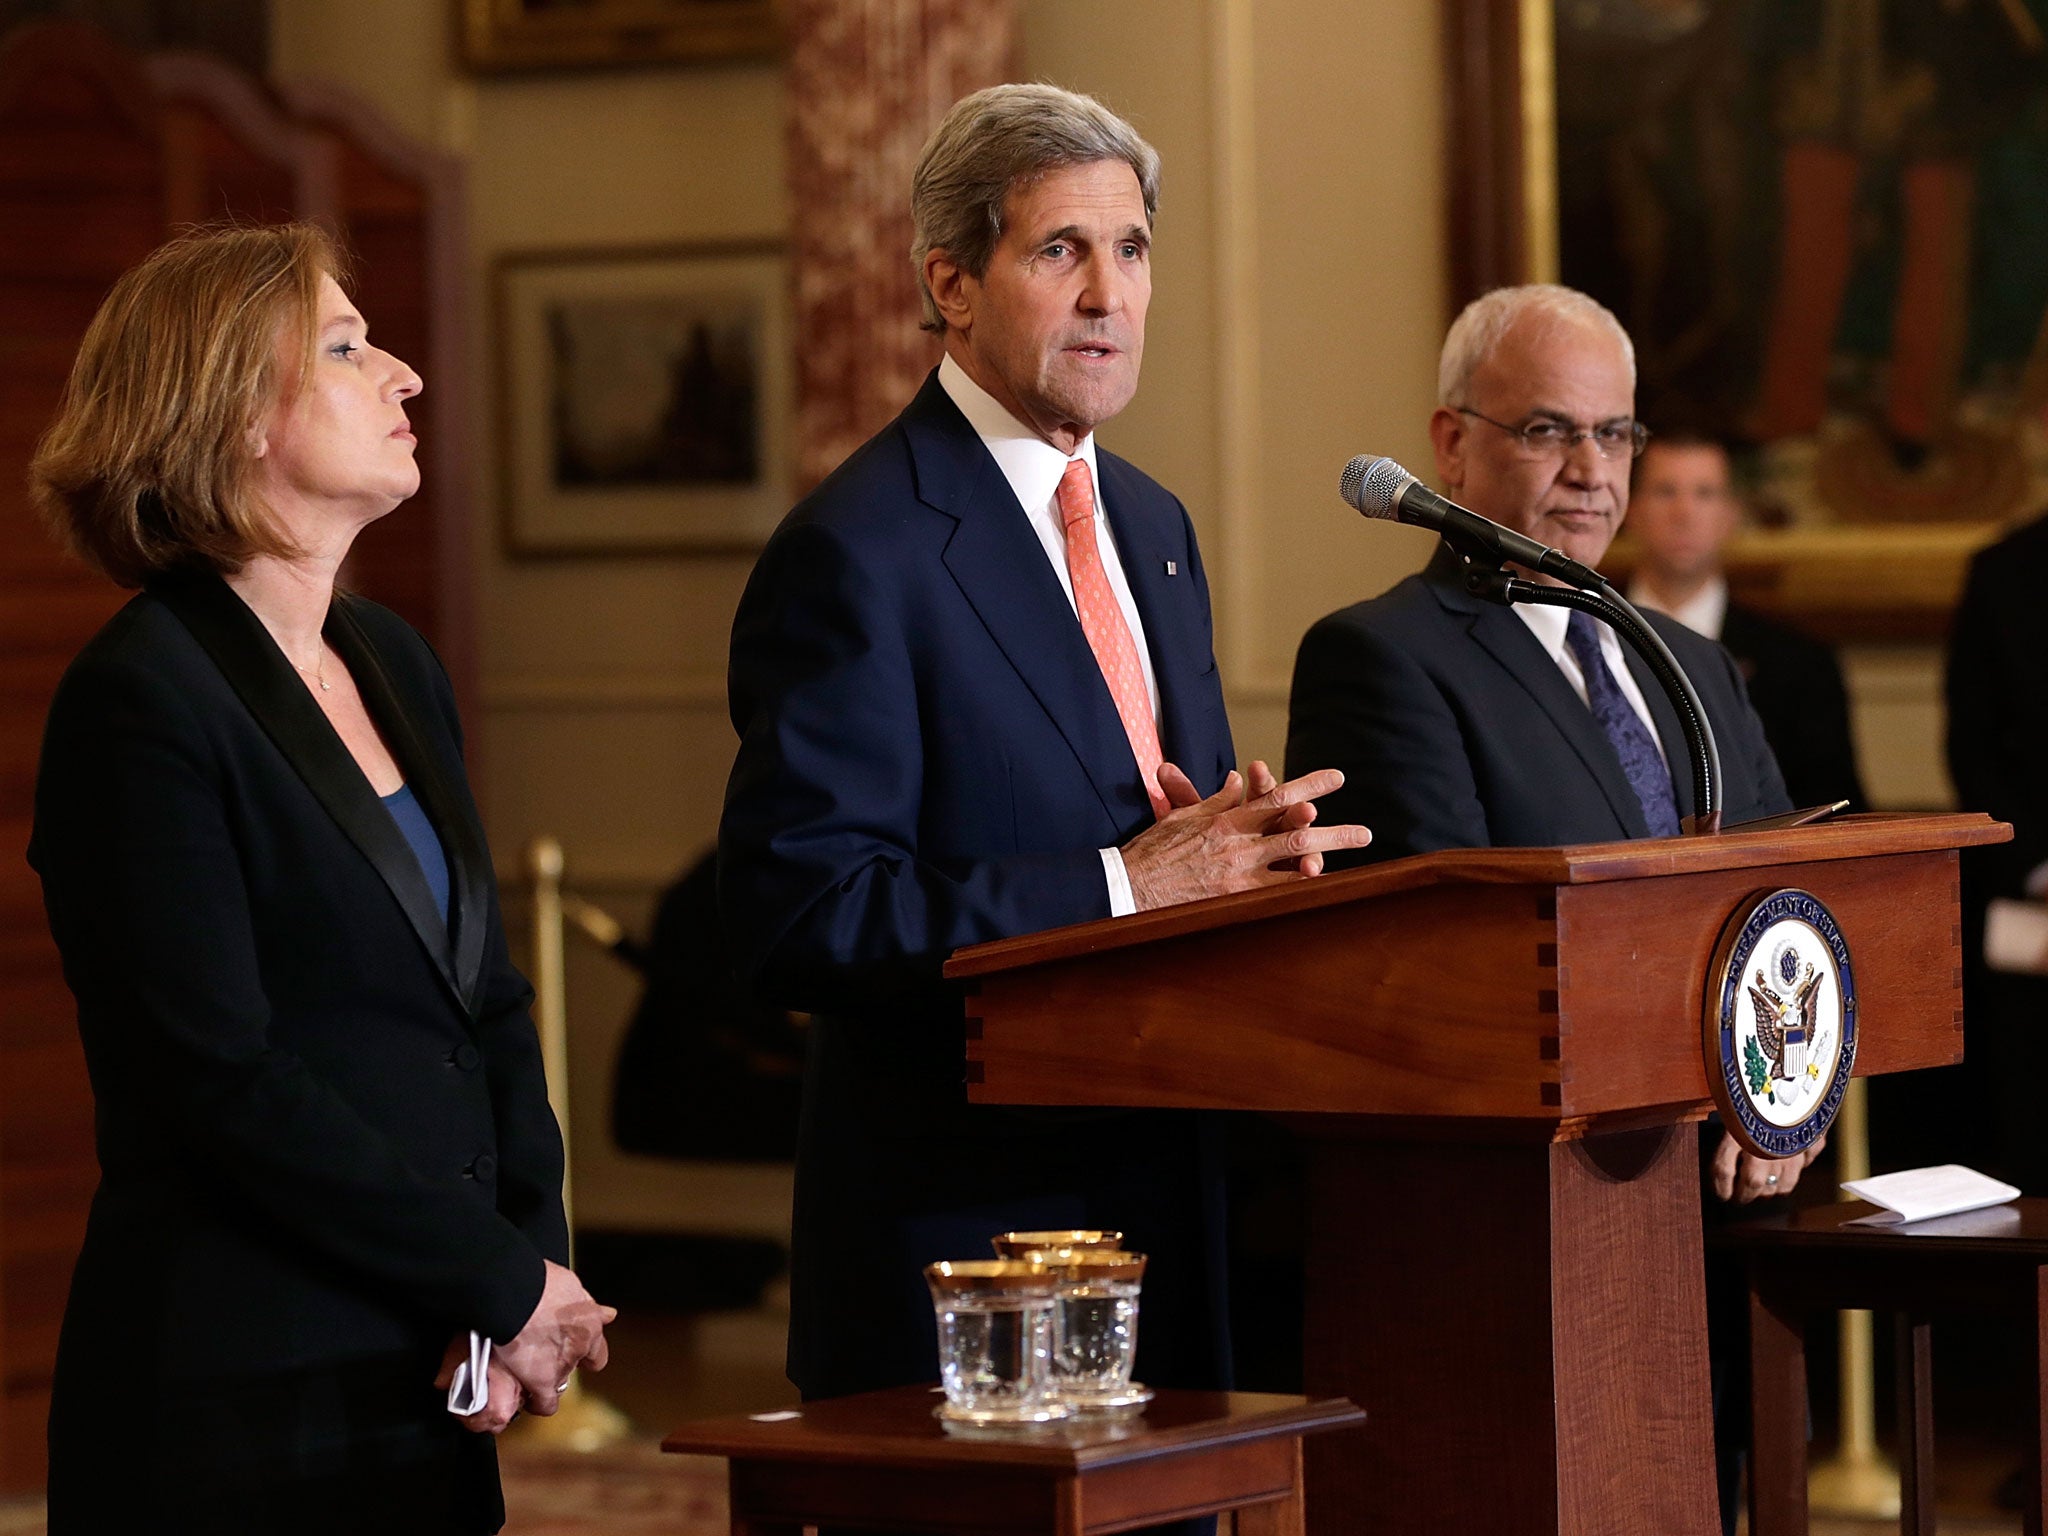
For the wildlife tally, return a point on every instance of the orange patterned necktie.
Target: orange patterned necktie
(1102, 621)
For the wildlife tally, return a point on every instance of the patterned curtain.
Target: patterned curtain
(868, 81)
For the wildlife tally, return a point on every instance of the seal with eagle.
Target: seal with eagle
(1785, 1024)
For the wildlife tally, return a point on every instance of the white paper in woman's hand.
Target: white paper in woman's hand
(471, 1388)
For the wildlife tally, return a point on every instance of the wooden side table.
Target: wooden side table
(1803, 1263)
(882, 1461)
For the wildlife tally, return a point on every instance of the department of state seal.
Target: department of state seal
(1780, 1022)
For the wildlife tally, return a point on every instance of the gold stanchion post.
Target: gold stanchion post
(1857, 1479)
(584, 1422)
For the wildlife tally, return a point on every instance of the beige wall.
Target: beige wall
(1288, 330)
(602, 679)
(603, 699)
(1895, 697)
(1299, 302)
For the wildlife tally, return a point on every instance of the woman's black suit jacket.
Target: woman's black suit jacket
(323, 1131)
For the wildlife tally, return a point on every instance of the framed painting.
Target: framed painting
(1825, 225)
(646, 398)
(580, 34)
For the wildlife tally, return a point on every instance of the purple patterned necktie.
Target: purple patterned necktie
(1626, 732)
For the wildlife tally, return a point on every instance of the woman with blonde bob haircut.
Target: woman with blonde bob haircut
(328, 1170)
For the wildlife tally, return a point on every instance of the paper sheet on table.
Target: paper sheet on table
(1920, 1194)
(471, 1388)
(2016, 936)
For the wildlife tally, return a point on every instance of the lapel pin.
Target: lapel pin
(1172, 569)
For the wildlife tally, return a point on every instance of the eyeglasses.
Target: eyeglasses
(1545, 439)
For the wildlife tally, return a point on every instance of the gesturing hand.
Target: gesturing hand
(565, 1331)
(1253, 831)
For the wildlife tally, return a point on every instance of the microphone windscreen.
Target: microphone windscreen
(1374, 486)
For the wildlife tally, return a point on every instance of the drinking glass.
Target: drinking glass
(1095, 1326)
(1015, 1245)
(995, 1340)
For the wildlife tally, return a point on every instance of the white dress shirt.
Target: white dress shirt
(1549, 625)
(1033, 468)
(1703, 613)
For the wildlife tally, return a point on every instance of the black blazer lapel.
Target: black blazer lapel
(1002, 571)
(426, 771)
(1515, 647)
(1146, 538)
(249, 659)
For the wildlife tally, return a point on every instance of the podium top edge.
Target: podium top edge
(1870, 835)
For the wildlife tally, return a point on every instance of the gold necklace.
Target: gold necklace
(318, 672)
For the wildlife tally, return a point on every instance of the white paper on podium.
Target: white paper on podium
(471, 1388)
(2016, 936)
(1920, 1194)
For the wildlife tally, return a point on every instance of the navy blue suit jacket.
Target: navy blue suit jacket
(929, 758)
(1455, 729)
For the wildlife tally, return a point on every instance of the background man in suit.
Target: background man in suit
(1462, 724)
(1682, 512)
(961, 697)
(1998, 757)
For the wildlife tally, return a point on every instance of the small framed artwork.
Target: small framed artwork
(647, 398)
(578, 34)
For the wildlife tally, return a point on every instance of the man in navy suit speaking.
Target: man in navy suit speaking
(976, 696)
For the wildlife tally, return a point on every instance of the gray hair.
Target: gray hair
(1480, 327)
(994, 141)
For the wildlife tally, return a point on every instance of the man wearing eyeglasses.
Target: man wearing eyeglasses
(1462, 724)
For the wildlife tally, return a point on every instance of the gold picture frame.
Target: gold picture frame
(1869, 545)
(646, 398)
(507, 35)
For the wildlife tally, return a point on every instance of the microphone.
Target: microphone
(1383, 489)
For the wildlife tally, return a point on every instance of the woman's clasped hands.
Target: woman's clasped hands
(531, 1370)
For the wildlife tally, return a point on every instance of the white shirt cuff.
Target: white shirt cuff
(2037, 882)
(1121, 902)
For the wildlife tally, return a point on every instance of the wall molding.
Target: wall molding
(602, 693)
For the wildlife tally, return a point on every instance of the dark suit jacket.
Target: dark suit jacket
(1455, 729)
(928, 758)
(1795, 686)
(323, 1134)
(1997, 688)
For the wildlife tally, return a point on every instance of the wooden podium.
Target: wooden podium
(1499, 1056)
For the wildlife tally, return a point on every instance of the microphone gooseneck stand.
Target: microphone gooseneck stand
(1499, 585)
